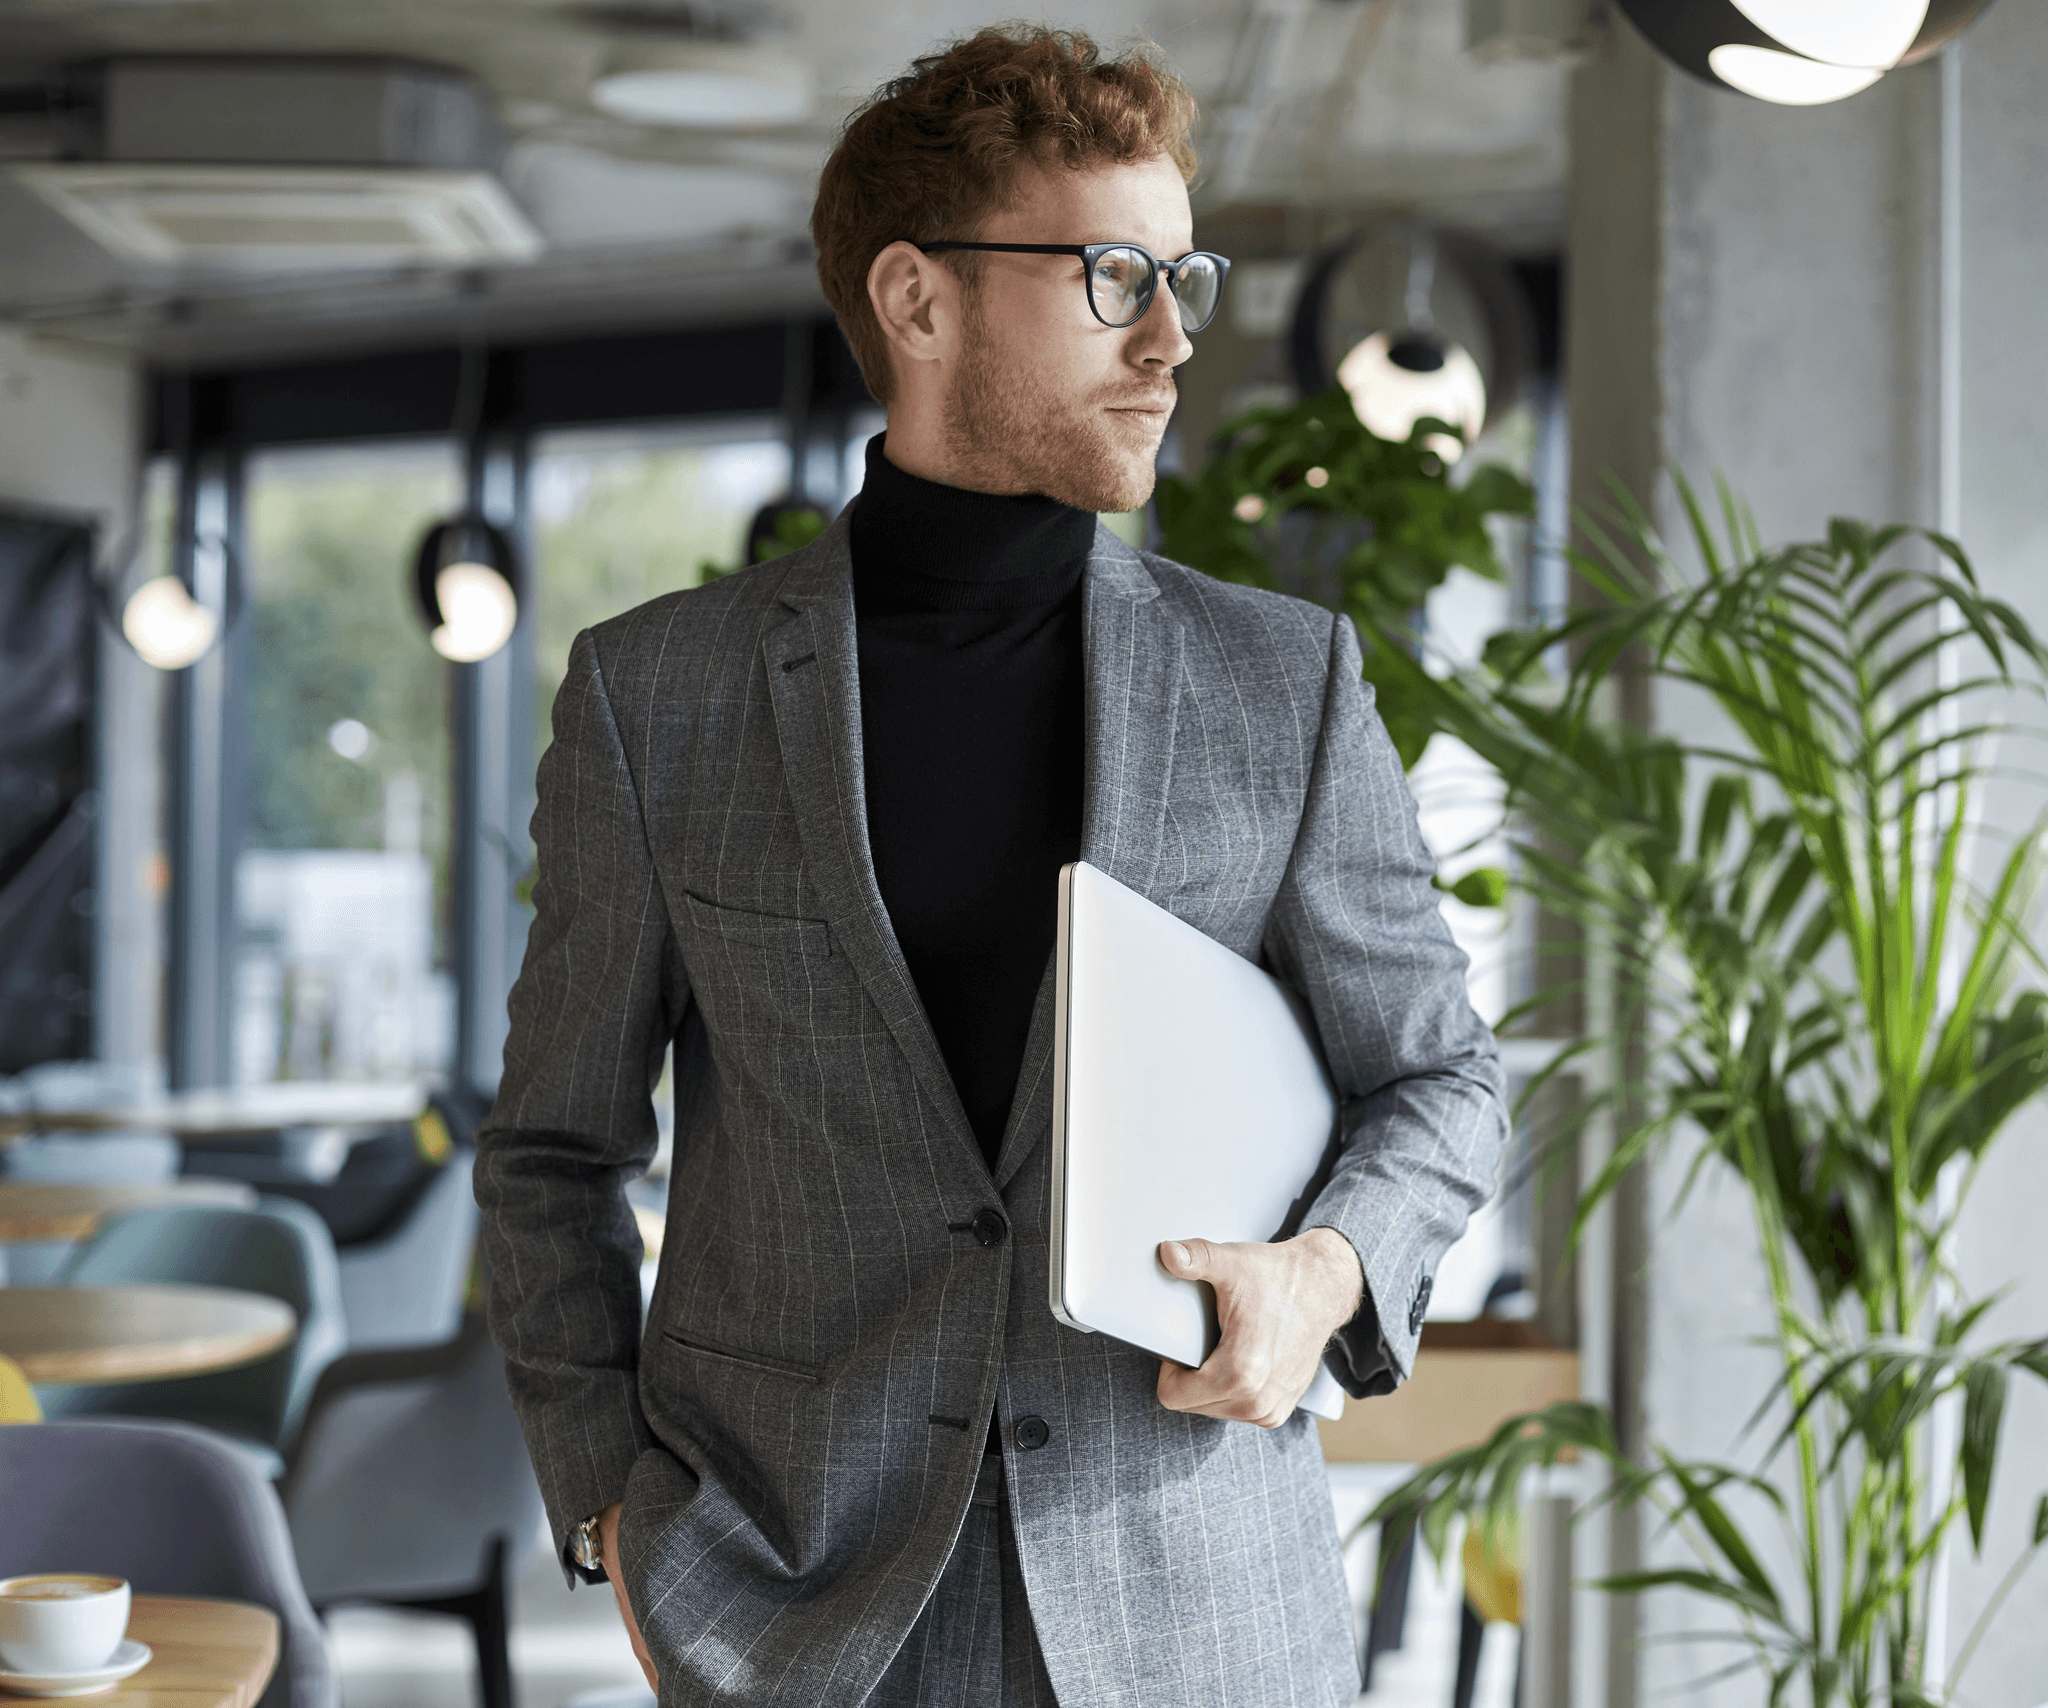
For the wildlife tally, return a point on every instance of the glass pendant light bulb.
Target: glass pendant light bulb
(1392, 387)
(478, 612)
(1786, 78)
(166, 626)
(1874, 34)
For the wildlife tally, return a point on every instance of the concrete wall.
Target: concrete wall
(1754, 294)
(69, 431)
(2005, 525)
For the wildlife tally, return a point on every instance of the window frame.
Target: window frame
(212, 423)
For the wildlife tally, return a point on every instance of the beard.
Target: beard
(1009, 430)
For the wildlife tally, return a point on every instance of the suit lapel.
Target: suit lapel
(1133, 663)
(1133, 652)
(813, 671)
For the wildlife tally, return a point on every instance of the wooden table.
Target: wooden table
(242, 1111)
(48, 1210)
(204, 1654)
(1469, 1378)
(135, 1334)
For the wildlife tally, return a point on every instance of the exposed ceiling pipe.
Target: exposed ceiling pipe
(1265, 47)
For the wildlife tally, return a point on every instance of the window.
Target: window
(342, 938)
(621, 517)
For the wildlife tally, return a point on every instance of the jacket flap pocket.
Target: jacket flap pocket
(765, 930)
(705, 1347)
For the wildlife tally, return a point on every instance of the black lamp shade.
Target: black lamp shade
(1687, 31)
(1504, 336)
(1946, 19)
(455, 541)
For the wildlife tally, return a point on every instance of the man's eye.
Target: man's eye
(1118, 277)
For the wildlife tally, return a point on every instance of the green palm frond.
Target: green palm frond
(1841, 1006)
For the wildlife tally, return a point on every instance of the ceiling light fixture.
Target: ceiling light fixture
(1394, 382)
(166, 626)
(163, 624)
(1414, 323)
(704, 88)
(464, 580)
(465, 576)
(1799, 53)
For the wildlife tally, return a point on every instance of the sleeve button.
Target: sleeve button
(1033, 1433)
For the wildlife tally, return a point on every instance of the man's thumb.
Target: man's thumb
(1186, 1261)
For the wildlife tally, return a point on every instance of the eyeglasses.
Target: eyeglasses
(1123, 278)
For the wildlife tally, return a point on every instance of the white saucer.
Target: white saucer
(130, 1658)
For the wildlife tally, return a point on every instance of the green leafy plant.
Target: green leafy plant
(1306, 500)
(1834, 1012)
(795, 525)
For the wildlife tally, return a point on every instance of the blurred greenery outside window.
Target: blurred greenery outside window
(343, 882)
(624, 516)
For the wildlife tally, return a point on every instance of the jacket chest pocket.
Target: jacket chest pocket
(767, 982)
(741, 933)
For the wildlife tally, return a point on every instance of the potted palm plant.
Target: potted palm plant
(1838, 1015)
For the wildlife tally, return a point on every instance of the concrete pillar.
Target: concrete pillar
(1753, 293)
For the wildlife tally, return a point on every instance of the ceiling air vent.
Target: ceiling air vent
(287, 218)
(289, 165)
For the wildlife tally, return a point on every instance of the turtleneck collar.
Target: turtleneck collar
(918, 545)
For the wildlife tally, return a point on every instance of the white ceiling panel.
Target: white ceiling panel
(1365, 105)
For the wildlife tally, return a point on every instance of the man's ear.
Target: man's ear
(915, 300)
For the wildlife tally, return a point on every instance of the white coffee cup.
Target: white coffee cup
(56, 1622)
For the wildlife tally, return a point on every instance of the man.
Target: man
(806, 823)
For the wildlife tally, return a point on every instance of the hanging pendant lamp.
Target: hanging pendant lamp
(163, 623)
(1799, 53)
(465, 583)
(465, 576)
(1412, 321)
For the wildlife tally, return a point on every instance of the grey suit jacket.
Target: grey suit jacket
(796, 1430)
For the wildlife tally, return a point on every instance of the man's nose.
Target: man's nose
(1157, 335)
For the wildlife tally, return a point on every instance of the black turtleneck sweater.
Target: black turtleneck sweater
(967, 608)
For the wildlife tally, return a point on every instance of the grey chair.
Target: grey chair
(175, 1511)
(279, 1248)
(405, 1287)
(410, 1487)
(399, 1205)
(128, 1159)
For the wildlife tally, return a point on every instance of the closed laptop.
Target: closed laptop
(1190, 1100)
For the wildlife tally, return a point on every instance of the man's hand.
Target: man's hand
(608, 1546)
(1277, 1306)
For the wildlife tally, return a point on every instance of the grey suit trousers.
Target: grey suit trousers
(973, 1646)
(795, 1427)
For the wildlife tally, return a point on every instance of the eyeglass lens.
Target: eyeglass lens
(1122, 282)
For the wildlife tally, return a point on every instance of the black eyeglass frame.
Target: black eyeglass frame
(1090, 253)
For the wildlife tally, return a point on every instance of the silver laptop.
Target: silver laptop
(1190, 1100)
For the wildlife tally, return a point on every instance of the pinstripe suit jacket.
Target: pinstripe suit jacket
(796, 1430)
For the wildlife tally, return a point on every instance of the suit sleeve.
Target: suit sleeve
(598, 998)
(1357, 929)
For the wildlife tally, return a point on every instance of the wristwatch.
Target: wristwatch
(586, 1552)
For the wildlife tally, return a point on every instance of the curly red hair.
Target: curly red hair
(938, 149)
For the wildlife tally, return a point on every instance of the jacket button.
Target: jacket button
(1417, 1310)
(989, 1227)
(1033, 1433)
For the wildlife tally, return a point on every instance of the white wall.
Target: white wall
(69, 432)
(1754, 294)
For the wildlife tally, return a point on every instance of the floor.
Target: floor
(569, 1648)
(566, 1646)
